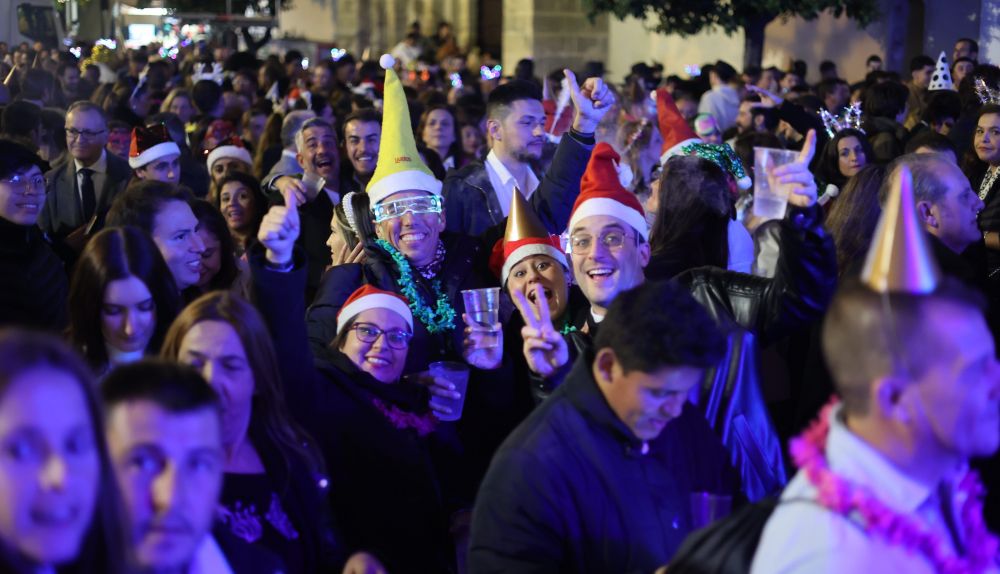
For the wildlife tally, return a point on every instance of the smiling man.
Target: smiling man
(362, 132)
(319, 157)
(479, 195)
(599, 478)
(33, 291)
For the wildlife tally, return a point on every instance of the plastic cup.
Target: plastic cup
(770, 198)
(313, 183)
(706, 508)
(483, 308)
(458, 375)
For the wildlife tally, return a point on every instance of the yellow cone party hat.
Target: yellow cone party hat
(900, 259)
(399, 165)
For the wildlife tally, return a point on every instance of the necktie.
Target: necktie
(88, 194)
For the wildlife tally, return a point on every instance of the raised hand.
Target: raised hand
(774, 98)
(474, 349)
(798, 176)
(279, 230)
(545, 349)
(592, 100)
(291, 186)
(345, 255)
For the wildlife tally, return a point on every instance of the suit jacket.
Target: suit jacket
(63, 210)
(286, 165)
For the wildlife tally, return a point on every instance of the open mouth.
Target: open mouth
(533, 295)
(194, 265)
(323, 163)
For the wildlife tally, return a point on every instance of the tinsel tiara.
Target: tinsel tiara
(851, 119)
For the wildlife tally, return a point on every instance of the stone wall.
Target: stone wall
(554, 33)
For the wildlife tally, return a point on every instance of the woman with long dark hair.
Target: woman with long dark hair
(844, 155)
(691, 225)
(274, 491)
(242, 203)
(219, 269)
(69, 519)
(122, 298)
(853, 217)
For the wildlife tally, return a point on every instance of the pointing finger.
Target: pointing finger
(808, 148)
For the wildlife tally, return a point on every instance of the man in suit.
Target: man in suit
(82, 189)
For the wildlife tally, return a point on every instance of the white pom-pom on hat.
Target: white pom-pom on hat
(625, 174)
(386, 61)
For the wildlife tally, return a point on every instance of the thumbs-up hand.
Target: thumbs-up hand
(592, 100)
(279, 230)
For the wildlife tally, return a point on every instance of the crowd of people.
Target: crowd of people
(337, 315)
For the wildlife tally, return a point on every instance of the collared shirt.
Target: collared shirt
(802, 536)
(504, 183)
(209, 559)
(100, 175)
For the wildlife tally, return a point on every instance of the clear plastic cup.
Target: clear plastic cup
(313, 183)
(770, 198)
(483, 308)
(457, 374)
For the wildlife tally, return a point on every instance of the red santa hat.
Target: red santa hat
(232, 149)
(525, 236)
(367, 297)
(675, 130)
(150, 144)
(602, 192)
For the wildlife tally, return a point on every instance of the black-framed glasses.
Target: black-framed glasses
(368, 333)
(89, 134)
(22, 184)
(583, 243)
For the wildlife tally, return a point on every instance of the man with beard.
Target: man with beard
(319, 157)
(479, 195)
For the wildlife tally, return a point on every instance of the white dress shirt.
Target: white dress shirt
(100, 175)
(805, 537)
(504, 183)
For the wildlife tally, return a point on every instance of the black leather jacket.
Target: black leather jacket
(756, 311)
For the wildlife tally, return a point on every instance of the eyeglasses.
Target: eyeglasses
(75, 133)
(22, 184)
(613, 240)
(396, 338)
(400, 207)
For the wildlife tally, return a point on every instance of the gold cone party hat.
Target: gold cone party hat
(522, 223)
(900, 259)
(399, 166)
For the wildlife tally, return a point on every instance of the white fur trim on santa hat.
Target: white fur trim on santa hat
(676, 149)
(528, 250)
(409, 180)
(374, 301)
(154, 153)
(608, 206)
(229, 151)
